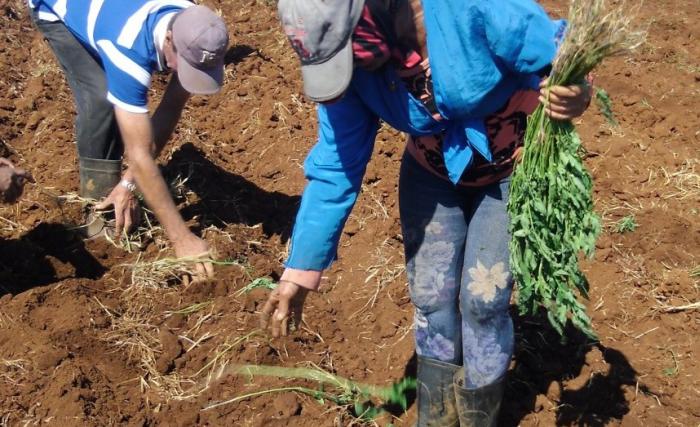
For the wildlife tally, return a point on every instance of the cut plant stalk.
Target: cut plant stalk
(336, 389)
(550, 204)
(190, 309)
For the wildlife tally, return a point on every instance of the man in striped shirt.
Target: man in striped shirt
(108, 50)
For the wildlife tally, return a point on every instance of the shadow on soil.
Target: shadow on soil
(44, 255)
(238, 53)
(225, 197)
(542, 359)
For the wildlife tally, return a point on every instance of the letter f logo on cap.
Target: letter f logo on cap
(207, 57)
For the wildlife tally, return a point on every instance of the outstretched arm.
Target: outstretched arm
(165, 117)
(168, 113)
(138, 136)
(334, 169)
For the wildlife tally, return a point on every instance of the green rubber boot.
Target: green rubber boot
(478, 407)
(436, 394)
(97, 179)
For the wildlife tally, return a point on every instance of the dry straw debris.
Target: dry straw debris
(165, 272)
(162, 272)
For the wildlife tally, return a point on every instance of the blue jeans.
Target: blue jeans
(456, 244)
(96, 128)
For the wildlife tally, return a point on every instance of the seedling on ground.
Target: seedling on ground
(336, 389)
(604, 103)
(626, 224)
(260, 282)
(672, 371)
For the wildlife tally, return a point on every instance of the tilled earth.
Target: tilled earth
(81, 345)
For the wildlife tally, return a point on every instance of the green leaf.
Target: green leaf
(520, 233)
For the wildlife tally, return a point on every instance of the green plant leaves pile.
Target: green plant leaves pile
(551, 223)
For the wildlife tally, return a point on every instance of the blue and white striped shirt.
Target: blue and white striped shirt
(123, 35)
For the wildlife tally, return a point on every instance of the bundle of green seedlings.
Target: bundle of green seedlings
(362, 398)
(551, 207)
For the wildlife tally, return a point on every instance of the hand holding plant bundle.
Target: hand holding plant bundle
(551, 205)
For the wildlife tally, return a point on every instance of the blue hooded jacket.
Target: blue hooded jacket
(481, 52)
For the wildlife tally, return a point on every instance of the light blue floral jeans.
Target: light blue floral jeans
(456, 244)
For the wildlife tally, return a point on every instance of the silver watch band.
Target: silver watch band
(128, 185)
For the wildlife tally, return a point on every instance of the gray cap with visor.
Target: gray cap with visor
(200, 37)
(320, 31)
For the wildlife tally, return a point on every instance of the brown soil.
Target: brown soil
(78, 347)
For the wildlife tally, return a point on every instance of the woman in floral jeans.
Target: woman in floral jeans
(463, 96)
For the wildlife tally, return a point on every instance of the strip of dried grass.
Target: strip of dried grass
(383, 271)
(147, 230)
(162, 273)
(166, 272)
(134, 332)
(190, 309)
(5, 320)
(685, 181)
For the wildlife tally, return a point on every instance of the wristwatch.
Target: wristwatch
(128, 185)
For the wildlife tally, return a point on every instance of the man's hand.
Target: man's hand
(285, 302)
(12, 181)
(126, 208)
(565, 102)
(192, 247)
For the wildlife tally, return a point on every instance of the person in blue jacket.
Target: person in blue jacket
(460, 78)
(109, 50)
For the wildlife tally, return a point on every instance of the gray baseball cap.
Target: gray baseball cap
(200, 37)
(321, 33)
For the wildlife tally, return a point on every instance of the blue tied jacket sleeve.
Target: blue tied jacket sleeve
(334, 168)
(336, 164)
(480, 53)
